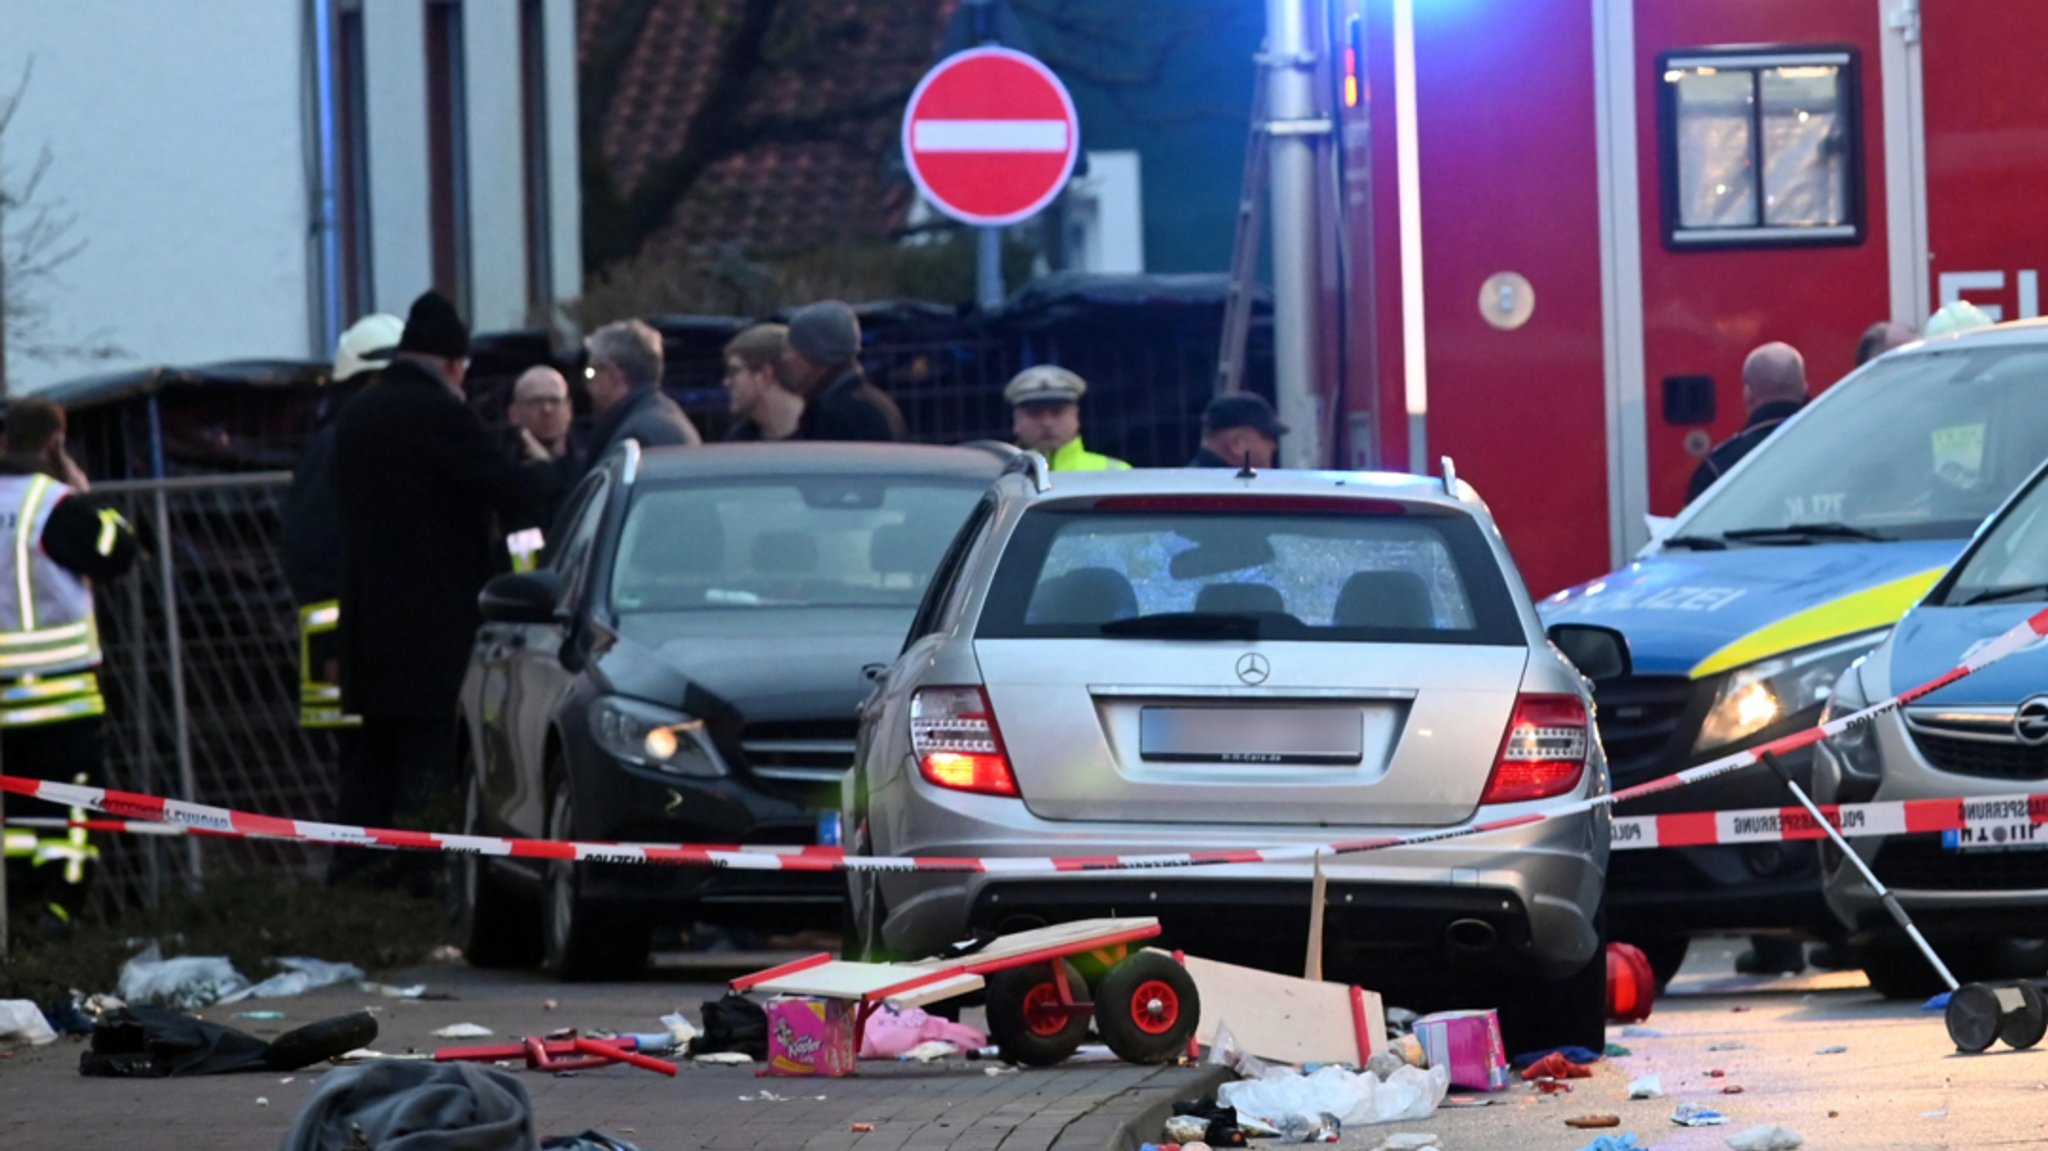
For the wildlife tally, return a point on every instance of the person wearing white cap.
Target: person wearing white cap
(1045, 414)
(312, 525)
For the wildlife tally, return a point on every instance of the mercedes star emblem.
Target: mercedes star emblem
(2029, 723)
(1253, 669)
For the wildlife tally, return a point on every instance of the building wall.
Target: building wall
(178, 150)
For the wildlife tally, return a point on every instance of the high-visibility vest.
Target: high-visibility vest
(319, 697)
(1072, 457)
(49, 641)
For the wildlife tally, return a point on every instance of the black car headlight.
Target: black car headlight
(646, 734)
(1754, 697)
(1855, 747)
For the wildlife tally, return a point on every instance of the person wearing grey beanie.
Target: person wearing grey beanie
(822, 365)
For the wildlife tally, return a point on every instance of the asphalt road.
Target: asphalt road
(1898, 1085)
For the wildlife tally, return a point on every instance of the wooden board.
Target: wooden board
(841, 979)
(1284, 1018)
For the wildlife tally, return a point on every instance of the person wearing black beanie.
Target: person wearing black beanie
(422, 486)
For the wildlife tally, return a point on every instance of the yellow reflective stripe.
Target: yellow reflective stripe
(43, 635)
(322, 616)
(74, 836)
(1873, 607)
(24, 530)
(327, 717)
(111, 524)
(20, 843)
(52, 712)
(54, 655)
(49, 688)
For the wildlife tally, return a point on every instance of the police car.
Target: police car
(1797, 562)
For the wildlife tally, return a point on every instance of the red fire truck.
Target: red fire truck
(1544, 233)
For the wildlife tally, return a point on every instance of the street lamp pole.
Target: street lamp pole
(1292, 127)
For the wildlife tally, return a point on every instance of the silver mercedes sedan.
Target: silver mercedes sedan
(1156, 661)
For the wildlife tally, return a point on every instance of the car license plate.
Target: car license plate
(828, 829)
(1323, 736)
(1996, 837)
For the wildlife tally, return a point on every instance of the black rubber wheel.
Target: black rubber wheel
(2024, 1028)
(1973, 1017)
(496, 924)
(1023, 1031)
(1666, 954)
(316, 1042)
(1146, 1008)
(584, 940)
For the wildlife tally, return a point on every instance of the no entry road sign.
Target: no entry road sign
(990, 136)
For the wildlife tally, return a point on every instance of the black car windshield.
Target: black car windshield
(2010, 564)
(1917, 447)
(1222, 574)
(786, 541)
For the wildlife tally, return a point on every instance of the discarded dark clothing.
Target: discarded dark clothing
(152, 1043)
(1572, 1054)
(1223, 1128)
(734, 1023)
(588, 1141)
(400, 1106)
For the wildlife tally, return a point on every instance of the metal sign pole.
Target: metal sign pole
(988, 241)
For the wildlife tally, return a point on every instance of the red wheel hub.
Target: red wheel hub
(1154, 1007)
(1044, 1014)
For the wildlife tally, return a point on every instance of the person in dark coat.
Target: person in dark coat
(624, 377)
(421, 484)
(1239, 430)
(1773, 388)
(823, 366)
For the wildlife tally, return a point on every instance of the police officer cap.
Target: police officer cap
(1045, 384)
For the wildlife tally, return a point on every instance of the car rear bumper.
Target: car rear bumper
(1536, 888)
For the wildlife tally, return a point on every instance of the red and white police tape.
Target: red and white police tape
(204, 819)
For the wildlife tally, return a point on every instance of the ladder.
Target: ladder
(1244, 252)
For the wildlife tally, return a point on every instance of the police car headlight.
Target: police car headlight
(648, 735)
(1855, 747)
(1753, 698)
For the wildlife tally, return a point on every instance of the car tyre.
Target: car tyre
(1146, 1008)
(1023, 1031)
(1568, 1012)
(1899, 971)
(1666, 954)
(496, 925)
(585, 941)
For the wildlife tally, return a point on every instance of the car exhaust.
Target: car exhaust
(1471, 935)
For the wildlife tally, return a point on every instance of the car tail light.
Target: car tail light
(953, 734)
(1544, 751)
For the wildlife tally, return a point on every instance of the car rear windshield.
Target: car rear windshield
(1917, 447)
(1217, 573)
(814, 541)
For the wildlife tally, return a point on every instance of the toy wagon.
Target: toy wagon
(1145, 1004)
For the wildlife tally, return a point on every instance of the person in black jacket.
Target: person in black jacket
(1773, 388)
(823, 366)
(624, 377)
(420, 483)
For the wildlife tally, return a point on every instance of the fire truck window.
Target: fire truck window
(1759, 148)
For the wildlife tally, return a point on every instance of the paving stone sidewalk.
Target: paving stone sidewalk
(956, 1106)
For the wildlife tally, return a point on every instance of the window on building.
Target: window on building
(352, 160)
(1760, 147)
(447, 152)
(533, 122)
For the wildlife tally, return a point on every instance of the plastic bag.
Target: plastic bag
(1225, 1052)
(185, 982)
(22, 1022)
(1354, 1098)
(299, 976)
(1766, 1139)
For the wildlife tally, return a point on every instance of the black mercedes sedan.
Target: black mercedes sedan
(686, 666)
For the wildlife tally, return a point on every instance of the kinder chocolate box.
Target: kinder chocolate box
(1469, 1044)
(809, 1036)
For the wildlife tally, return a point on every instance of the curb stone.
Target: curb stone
(1101, 1131)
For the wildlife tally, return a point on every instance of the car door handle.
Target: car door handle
(874, 672)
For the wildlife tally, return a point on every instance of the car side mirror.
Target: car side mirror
(1598, 652)
(521, 597)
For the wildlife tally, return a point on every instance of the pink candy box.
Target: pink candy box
(1469, 1044)
(810, 1036)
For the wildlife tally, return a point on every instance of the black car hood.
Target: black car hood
(770, 665)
